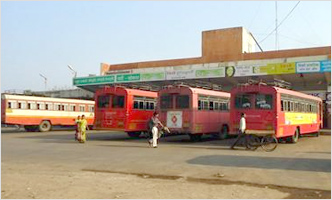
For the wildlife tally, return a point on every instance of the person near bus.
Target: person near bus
(242, 132)
(78, 128)
(154, 128)
(84, 127)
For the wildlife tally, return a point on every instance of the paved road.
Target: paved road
(305, 165)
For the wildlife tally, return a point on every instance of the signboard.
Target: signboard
(174, 119)
(325, 66)
(307, 67)
(153, 76)
(180, 74)
(209, 73)
(128, 77)
(94, 80)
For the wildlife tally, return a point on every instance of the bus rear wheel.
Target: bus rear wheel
(44, 126)
(295, 138)
(134, 134)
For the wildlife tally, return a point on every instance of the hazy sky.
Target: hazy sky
(43, 37)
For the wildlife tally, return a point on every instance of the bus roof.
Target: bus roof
(276, 89)
(139, 92)
(37, 98)
(199, 91)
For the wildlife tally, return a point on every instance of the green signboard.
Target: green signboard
(93, 80)
(128, 77)
(153, 76)
(207, 73)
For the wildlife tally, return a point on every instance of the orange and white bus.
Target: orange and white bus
(274, 110)
(41, 113)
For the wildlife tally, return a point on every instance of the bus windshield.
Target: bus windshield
(182, 101)
(117, 101)
(263, 101)
(243, 101)
(103, 101)
(166, 102)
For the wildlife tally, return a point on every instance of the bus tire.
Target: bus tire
(45, 126)
(134, 134)
(195, 137)
(295, 138)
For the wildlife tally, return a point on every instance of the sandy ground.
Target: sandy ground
(35, 182)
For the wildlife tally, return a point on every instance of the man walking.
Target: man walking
(242, 131)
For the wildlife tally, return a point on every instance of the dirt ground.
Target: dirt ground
(46, 166)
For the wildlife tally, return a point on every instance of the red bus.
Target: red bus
(124, 109)
(193, 111)
(274, 110)
(41, 113)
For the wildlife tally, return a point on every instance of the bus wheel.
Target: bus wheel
(44, 126)
(294, 138)
(195, 137)
(134, 134)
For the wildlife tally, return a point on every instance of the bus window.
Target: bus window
(211, 105)
(199, 105)
(215, 106)
(141, 105)
(82, 108)
(166, 102)
(282, 105)
(118, 102)
(205, 105)
(103, 101)
(151, 107)
(91, 108)
(135, 104)
(182, 101)
(11, 104)
(263, 101)
(242, 101)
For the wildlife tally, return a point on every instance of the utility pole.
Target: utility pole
(276, 3)
(45, 81)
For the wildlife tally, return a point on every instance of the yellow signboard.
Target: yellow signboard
(277, 68)
(300, 118)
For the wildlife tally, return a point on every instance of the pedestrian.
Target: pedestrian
(242, 132)
(84, 127)
(78, 128)
(154, 125)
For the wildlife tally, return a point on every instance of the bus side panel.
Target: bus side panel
(3, 111)
(206, 121)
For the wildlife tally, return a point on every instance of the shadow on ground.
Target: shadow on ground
(298, 164)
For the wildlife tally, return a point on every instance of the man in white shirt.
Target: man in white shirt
(242, 132)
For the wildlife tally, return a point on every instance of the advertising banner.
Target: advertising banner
(210, 73)
(153, 76)
(128, 77)
(174, 119)
(325, 66)
(307, 67)
(180, 74)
